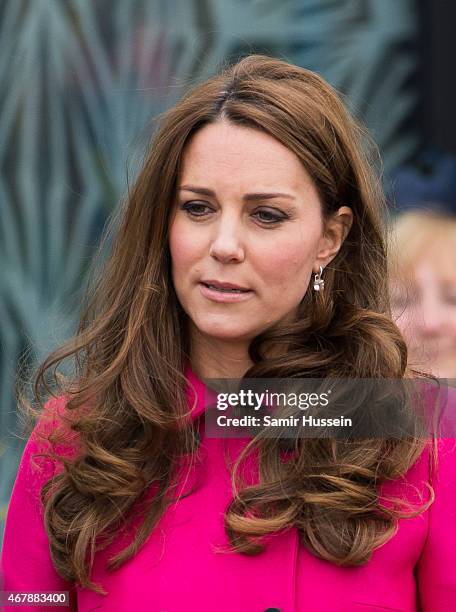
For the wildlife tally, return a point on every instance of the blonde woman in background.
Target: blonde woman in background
(423, 288)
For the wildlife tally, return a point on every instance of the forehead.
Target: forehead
(225, 154)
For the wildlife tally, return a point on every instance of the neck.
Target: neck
(218, 358)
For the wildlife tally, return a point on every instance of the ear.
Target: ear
(335, 231)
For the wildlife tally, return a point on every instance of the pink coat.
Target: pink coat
(179, 568)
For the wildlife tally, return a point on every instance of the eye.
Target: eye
(195, 209)
(269, 217)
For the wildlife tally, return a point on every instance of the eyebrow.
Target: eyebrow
(246, 197)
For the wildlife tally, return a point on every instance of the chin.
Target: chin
(227, 333)
(222, 330)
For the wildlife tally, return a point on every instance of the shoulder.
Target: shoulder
(430, 481)
(26, 564)
(442, 460)
(436, 569)
(54, 426)
(439, 454)
(51, 441)
(437, 462)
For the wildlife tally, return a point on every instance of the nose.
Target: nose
(227, 244)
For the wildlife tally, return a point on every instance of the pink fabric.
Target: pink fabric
(180, 567)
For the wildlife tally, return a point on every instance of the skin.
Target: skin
(425, 312)
(230, 238)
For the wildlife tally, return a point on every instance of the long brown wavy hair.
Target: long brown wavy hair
(126, 400)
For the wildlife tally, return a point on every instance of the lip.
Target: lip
(223, 285)
(217, 296)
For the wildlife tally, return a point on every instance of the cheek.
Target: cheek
(288, 265)
(183, 245)
(406, 327)
(410, 323)
(452, 320)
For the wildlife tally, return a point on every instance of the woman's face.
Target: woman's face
(247, 214)
(425, 311)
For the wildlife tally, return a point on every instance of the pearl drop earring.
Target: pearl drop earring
(319, 283)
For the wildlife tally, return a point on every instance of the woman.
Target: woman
(251, 246)
(423, 287)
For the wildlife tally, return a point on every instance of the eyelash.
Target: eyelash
(188, 206)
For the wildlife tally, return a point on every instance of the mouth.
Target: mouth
(217, 293)
(225, 287)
